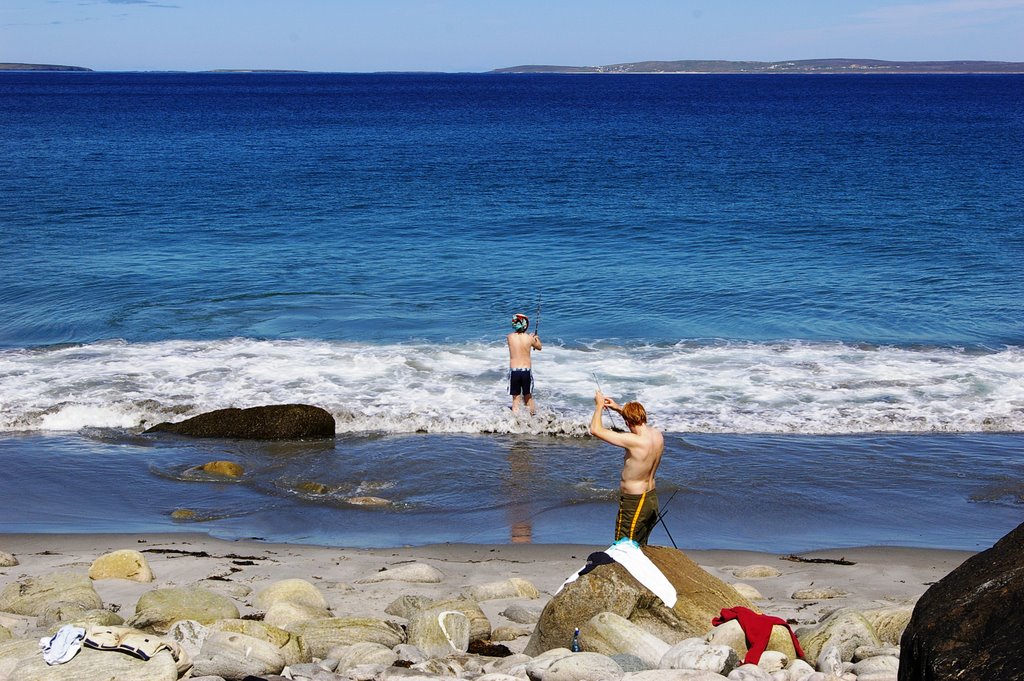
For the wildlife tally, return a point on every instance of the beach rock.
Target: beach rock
(538, 666)
(415, 573)
(32, 595)
(673, 675)
(100, 617)
(297, 591)
(439, 632)
(95, 665)
(365, 653)
(772, 661)
(509, 633)
(520, 614)
(189, 635)
(157, 610)
(630, 663)
(273, 422)
(756, 572)
(799, 669)
(889, 622)
(228, 469)
(321, 636)
(7, 560)
(817, 594)
(731, 634)
(479, 625)
(496, 676)
(18, 625)
(508, 665)
(968, 625)
(15, 650)
(846, 628)
(865, 652)
(59, 613)
(236, 656)
(408, 653)
(446, 668)
(285, 614)
(289, 645)
(878, 665)
(695, 653)
(509, 588)
(310, 671)
(123, 564)
(830, 660)
(584, 667)
(749, 672)
(406, 606)
(610, 634)
(747, 591)
(610, 588)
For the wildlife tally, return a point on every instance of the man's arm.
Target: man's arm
(598, 430)
(536, 342)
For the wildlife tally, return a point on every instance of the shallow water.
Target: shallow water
(769, 493)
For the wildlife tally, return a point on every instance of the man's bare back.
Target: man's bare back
(519, 347)
(643, 445)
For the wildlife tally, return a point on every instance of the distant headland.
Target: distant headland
(793, 66)
(11, 66)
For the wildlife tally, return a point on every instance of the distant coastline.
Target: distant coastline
(695, 66)
(791, 66)
(14, 66)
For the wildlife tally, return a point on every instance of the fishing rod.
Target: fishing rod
(661, 518)
(536, 326)
(598, 381)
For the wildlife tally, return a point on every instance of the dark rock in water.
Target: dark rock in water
(610, 588)
(968, 624)
(274, 422)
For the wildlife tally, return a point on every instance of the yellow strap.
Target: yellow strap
(636, 516)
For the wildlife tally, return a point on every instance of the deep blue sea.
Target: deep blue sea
(813, 283)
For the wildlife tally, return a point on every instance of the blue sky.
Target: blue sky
(468, 35)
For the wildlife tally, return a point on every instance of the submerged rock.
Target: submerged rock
(228, 469)
(273, 422)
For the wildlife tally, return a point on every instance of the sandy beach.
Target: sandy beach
(879, 576)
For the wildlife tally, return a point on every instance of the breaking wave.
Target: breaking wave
(709, 387)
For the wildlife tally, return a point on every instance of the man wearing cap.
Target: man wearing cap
(520, 376)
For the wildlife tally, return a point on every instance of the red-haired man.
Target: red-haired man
(643, 445)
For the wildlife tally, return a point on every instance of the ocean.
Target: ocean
(812, 282)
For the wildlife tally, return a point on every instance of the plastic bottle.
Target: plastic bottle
(575, 647)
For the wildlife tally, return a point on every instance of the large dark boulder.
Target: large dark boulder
(969, 624)
(274, 422)
(610, 588)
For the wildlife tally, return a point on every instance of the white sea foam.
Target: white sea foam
(792, 387)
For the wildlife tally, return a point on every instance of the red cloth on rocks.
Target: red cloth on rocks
(757, 629)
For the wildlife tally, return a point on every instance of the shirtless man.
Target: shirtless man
(643, 445)
(520, 376)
